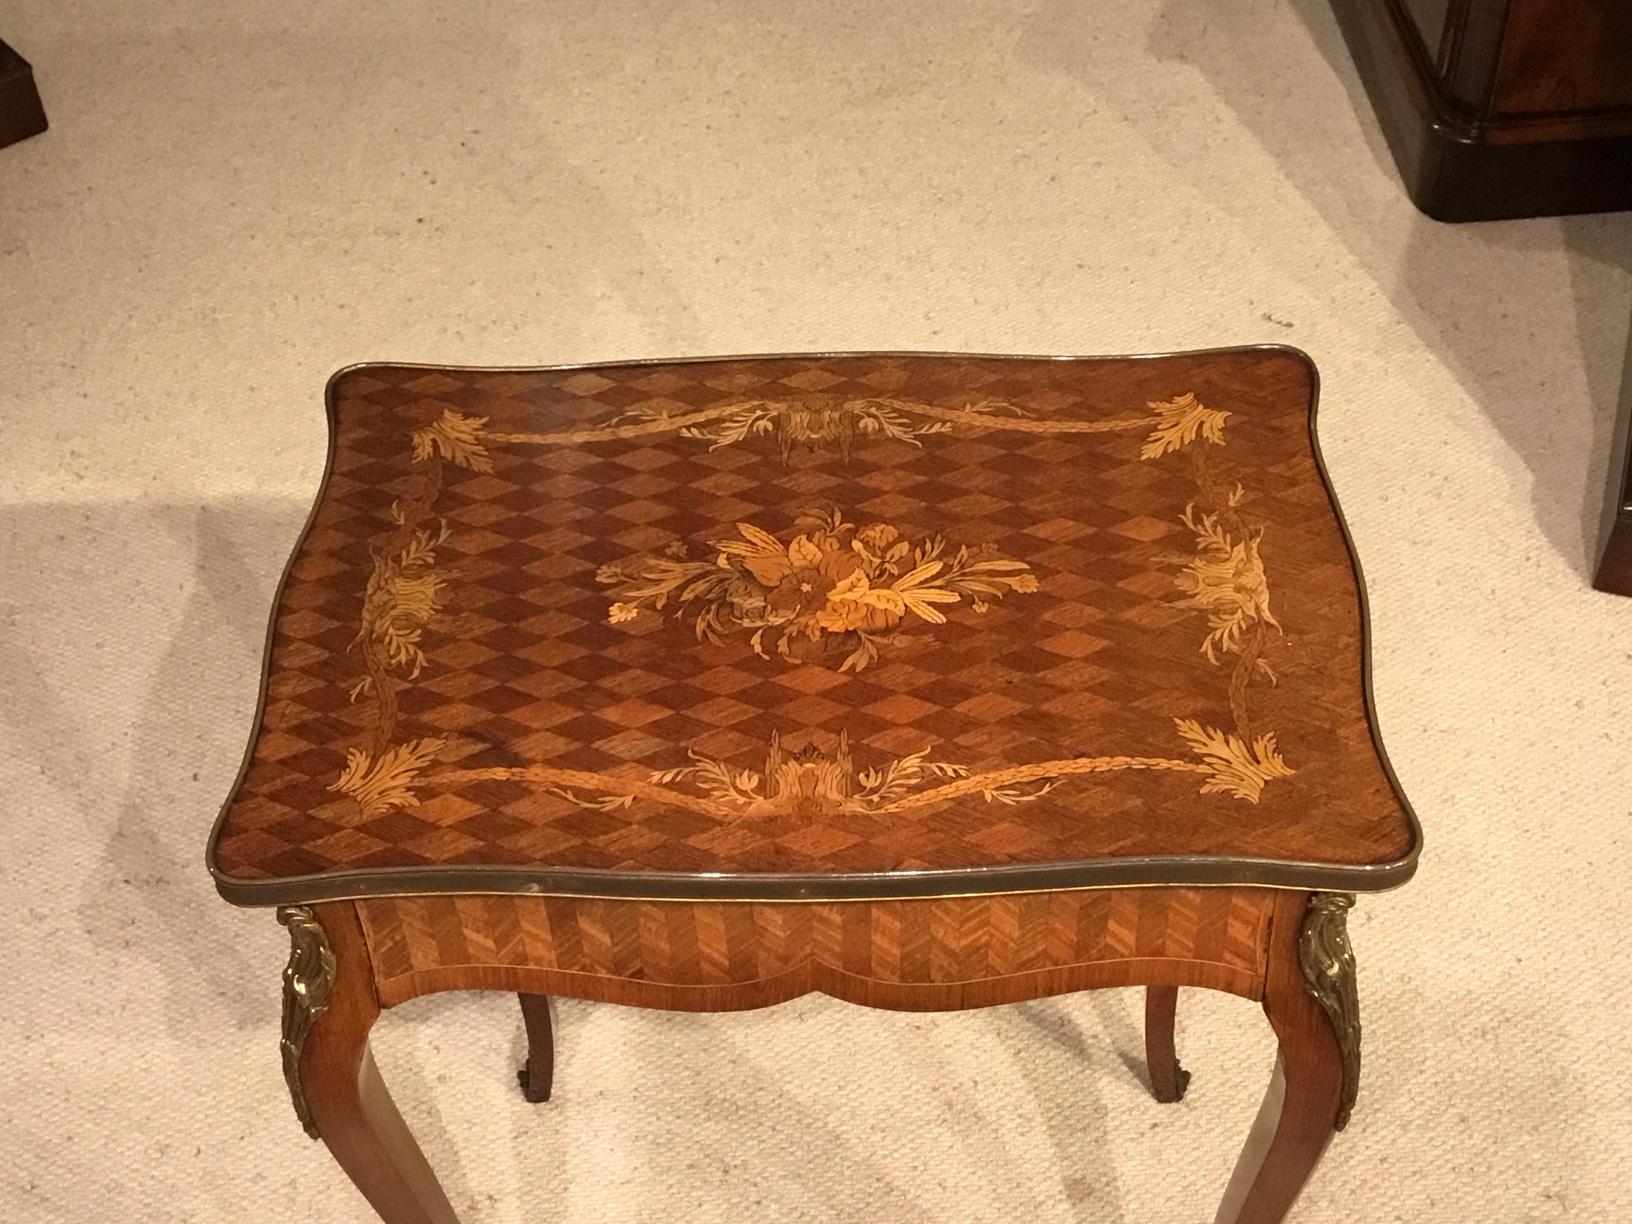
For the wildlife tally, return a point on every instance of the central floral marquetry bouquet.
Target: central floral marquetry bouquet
(835, 588)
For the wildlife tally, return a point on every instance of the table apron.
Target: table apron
(945, 954)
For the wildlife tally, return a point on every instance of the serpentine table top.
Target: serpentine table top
(835, 627)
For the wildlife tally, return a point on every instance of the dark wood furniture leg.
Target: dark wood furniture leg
(1168, 1080)
(1615, 560)
(539, 1073)
(1315, 1074)
(346, 1102)
(21, 114)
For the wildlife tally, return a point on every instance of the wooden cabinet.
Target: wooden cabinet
(1501, 108)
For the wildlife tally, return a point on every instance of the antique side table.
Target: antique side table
(926, 682)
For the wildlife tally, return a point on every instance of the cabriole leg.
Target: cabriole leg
(329, 1008)
(1168, 1079)
(539, 1073)
(1313, 1006)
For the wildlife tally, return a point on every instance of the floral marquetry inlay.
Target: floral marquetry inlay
(828, 592)
(834, 591)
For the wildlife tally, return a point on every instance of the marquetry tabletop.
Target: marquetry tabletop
(833, 627)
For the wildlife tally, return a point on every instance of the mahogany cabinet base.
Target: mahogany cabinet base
(1615, 556)
(1460, 169)
(1615, 561)
(21, 113)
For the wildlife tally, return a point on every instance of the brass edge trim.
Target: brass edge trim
(1168, 871)
(1327, 959)
(1152, 871)
(1407, 863)
(307, 980)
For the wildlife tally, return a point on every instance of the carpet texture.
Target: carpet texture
(234, 200)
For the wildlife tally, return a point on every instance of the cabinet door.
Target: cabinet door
(1565, 56)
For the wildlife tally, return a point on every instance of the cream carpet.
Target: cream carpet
(236, 199)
